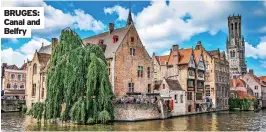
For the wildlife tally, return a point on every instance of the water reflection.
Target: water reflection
(221, 121)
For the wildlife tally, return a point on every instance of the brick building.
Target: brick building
(130, 66)
(188, 68)
(13, 80)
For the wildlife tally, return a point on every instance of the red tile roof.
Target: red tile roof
(162, 59)
(23, 67)
(263, 78)
(258, 80)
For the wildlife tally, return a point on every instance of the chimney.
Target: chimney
(54, 42)
(175, 59)
(111, 27)
(199, 45)
(251, 71)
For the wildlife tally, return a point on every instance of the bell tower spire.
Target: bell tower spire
(129, 18)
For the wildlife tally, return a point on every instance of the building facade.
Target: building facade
(235, 47)
(187, 67)
(37, 67)
(129, 64)
(14, 81)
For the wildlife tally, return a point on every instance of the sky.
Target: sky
(160, 24)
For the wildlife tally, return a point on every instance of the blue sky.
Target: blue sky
(160, 24)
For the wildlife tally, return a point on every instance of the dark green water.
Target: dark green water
(220, 121)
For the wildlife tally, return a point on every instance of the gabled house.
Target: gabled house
(173, 94)
(129, 64)
(263, 90)
(239, 89)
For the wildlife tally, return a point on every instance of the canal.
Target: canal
(220, 121)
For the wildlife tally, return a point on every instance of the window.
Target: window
(132, 39)
(115, 38)
(163, 86)
(15, 86)
(257, 95)
(100, 41)
(35, 68)
(200, 84)
(256, 87)
(42, 93)
(21, 85)
(191, 83)
(149, 88)
(131, 87)
(8, 85)
(140, 71)
(198, 96)
(191, 73)
(208, 93)
(232, 26)
(12, 76)
(235, 25)
(189, 95)
(132, 51)
(149, 72)
(20, 77)
(233, 53)
(181, 98)
(201, 74)
(33, 89)
(176, 101)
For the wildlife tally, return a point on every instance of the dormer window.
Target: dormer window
(115, 38)
(100, 41)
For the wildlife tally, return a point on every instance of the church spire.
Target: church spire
(129, 18)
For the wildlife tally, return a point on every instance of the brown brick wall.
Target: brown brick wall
(126, 65)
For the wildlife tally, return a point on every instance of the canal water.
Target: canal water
(219, 121)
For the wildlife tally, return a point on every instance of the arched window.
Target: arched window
(21, 85)
(12, 76)
(233, 53)
(8, 85)
(236, 26)
(232, 26)
(15, 86)
(35, 68)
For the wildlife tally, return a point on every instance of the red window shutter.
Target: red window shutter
(172, 104)
(163, 86)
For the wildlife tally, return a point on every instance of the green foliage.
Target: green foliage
(29, 112)
(90, 120)
(37, 110)
(24, 109)
(78, 112)
(77, 71)
(104, 117)
(242, 104)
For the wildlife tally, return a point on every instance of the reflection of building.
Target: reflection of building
(36, 90)
(13, 81)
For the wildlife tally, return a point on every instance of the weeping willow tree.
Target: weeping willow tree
(78, 80)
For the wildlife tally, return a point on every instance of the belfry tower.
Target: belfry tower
(235, 47)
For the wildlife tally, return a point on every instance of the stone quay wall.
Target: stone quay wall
(136, 112)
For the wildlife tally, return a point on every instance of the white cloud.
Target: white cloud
(120, 11)
(160, 25)
(56, 19)
(263, 29)
(256, 52)
(26, 51)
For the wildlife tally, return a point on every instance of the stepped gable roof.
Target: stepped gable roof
(107, 38)
(12, 67)
(43, 58)
(174, 84)
(46, 49)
